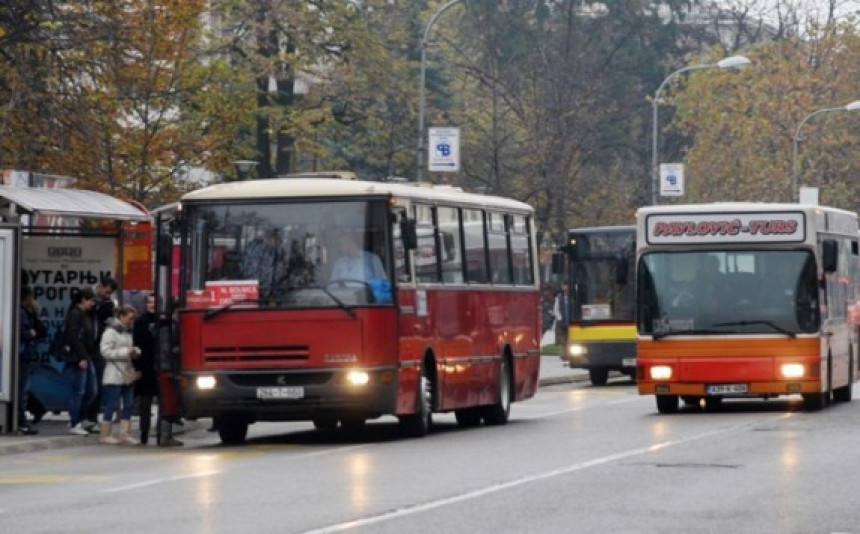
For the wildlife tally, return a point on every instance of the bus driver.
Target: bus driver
(355, 263)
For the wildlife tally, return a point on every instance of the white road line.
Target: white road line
(156, 481)
(455, 499)
(159, 481)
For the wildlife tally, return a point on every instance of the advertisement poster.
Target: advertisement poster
(56, 267)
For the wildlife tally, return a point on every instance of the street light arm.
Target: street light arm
(422, 98)
(795, 165)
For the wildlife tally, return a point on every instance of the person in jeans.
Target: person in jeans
(118, 350)
(103, 310)
(80, 336)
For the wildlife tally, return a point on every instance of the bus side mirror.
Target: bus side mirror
(829, 255)
(558, 263)
(409, 234)
(621, 267)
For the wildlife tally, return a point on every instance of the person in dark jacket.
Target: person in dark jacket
(103, 310)
(80, 336)
(146, 388)
(32, 330)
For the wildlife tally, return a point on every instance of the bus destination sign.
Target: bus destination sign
(782, 227)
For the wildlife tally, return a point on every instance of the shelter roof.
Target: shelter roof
(70, 203)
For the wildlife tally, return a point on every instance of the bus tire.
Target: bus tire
(844, 393)
(497, 414)
(468, 417)
(598, 376)
(352, 424)
(417, 425)
(667, 403)
(232, 431)
(325, 423)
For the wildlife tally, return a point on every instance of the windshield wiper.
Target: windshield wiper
(692, 331)
(212, 312)
(344, 306)
(771, 324)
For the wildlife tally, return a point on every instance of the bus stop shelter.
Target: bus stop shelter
(60, 240)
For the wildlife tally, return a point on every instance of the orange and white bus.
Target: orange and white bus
(451, 325)
(745, 300)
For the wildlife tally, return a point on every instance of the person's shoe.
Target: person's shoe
(106, 434)
(90, 426)
(125, 437)
(25, 430)
(78, 430)
(37, 416)
(170, 442)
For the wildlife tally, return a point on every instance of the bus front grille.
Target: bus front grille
(251, 354)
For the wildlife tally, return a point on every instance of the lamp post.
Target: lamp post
(795, 171)
(727, 63)
(422, 99)
(244, 167)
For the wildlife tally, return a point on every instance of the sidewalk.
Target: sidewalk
(53, 429)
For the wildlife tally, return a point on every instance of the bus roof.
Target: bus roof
(602, 229)
(738, 207)
(277, 188)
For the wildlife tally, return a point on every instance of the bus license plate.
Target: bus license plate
(278, 393)
(726, 389)
(628, 362)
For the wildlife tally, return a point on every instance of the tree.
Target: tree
(743, 124)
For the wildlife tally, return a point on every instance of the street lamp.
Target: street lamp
(244, 167)
(425, 42)
(853, 106)
(733, 62)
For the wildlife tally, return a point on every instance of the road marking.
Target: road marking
(502, 486)
(153, 482)
(144, 484)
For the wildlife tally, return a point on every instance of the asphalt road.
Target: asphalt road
(574, 459)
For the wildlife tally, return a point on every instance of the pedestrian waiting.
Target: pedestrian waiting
(118, 350)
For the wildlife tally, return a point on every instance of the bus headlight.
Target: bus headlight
(791, 370)
(205, 382)
(575, 349)
(661, 372)
(357, 378)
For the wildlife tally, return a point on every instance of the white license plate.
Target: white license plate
(277, 393)
(726, 389)
(628, 362)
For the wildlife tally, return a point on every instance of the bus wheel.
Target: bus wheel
(843, 394)
(598, 376)
(468, 417)
(416, 425)
(497, 414)
(352, 424)
(232, 431)
(325, 423)
(667, 403)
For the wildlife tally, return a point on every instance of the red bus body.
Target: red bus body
(459, 332)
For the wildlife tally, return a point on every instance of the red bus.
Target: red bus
(268, 327)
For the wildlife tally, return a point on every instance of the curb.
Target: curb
(20, 444)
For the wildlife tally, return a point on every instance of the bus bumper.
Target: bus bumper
(290, 395)
(610, 355)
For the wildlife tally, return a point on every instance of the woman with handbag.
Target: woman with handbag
(118, 350)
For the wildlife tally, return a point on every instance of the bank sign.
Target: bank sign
(704, 228)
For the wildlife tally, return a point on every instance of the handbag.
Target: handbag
(129, 374)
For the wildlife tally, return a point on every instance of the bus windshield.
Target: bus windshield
(728, 292)
(297, 254)
(602, 270)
